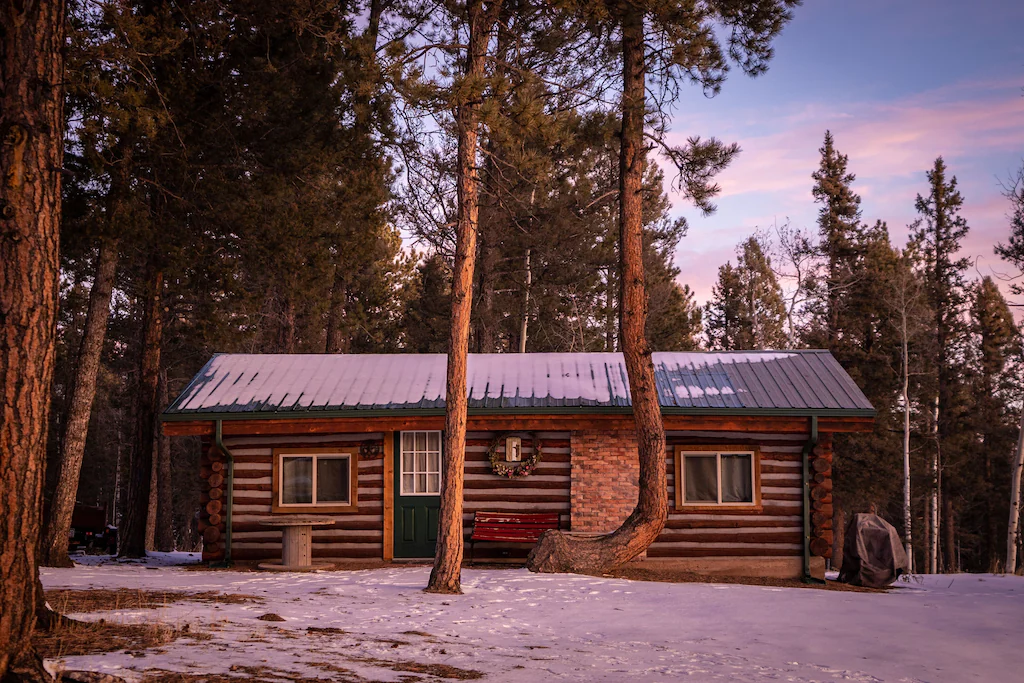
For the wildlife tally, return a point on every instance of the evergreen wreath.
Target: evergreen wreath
(523, 468)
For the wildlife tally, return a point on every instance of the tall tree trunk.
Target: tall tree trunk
(286, 326)
(446, 574)
(949, 534)
(905, 390)
(336, 334)
(556, 551)
(1014, 522)
(526, 304)
(76, 428)
(486, 338)
(31, 156)
(132, 536)
(933, 512)
(609, 313)
(164, 540)
(151, 506)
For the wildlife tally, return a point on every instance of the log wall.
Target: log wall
(547, 489)
(356, 534)
(774, 531)
(360, 534)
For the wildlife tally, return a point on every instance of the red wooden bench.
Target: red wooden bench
(511, 527)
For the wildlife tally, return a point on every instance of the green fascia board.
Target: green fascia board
(561, 410)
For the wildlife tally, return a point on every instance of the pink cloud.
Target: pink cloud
(975, 126)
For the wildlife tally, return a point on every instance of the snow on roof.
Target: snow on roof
(811, 381)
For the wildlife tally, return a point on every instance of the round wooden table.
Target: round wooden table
(297, 543)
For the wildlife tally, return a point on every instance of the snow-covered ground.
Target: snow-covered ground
(516, 626)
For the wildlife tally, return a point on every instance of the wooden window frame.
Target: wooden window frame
(440, 462)
(293, 508)
(680, 484)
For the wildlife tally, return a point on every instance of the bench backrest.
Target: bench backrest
(526, 520)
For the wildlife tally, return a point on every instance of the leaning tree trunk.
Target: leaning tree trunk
(446, 574)
(31, 157)
(76, 429)
(132, 536)
(557, 551)
(1015, 476)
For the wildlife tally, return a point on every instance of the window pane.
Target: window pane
(421, 462)
(407, 483)
(406, 441)
(296, 480)
(701, 477)
(421, 441)
(433, 462)
(736, 484)
(433, 483)
(434, 441)
(332, 480)
(421, 483)
(407, 465)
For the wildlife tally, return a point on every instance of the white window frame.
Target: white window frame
(428, 472)
(314, 456)
(755, 494)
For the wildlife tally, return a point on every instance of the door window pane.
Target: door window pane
(737, 486)
(297, 481)
(701, 478)
(421, 462)
(332, 480)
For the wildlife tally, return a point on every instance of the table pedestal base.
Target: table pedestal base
(279, 567)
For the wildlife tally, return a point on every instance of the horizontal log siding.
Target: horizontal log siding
(356, 534)
(777, 530)
(547, 489)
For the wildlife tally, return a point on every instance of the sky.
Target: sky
(898, 84)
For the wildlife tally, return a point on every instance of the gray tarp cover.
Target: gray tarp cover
(872, 553)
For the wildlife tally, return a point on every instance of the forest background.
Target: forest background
(278, 178)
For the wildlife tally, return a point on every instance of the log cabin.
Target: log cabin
(357, 438)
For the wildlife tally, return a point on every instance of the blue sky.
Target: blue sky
(898, 84)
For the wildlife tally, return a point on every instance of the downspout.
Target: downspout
(808, 448)
(219, 441)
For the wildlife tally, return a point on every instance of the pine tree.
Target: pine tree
(996, 336)
(939, 233)
(1014, 253)
(839, 232)
(746, 310)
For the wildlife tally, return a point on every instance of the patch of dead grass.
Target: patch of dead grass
(445, 671)
(672, 575)
(74, 638)
(81, 601)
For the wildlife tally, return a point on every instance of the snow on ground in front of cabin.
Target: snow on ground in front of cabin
(516, 626)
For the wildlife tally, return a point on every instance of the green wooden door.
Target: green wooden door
(417, 492)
